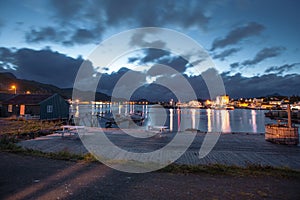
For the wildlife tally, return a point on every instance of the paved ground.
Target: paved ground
(26, 177)
(231, 149)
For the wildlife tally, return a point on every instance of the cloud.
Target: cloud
(138, 39)
(66, 11)
(264, 54)
(238, 86)
(238, 34)
(51, 67)
(1, 25)
(226, 53)
(153, 55)
(44, 66)
(44, 34)
(234, 65)
(85, 22)
(162, 57)
(281, 69)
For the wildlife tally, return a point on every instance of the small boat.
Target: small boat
(229, 108)
(137, 116)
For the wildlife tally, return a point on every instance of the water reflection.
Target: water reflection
(238, 120)
(209, 125)
(225, 120)
(254, 125)
(178, 119)
(193, 117)
(171, 119)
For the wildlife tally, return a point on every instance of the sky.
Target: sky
(254, 45)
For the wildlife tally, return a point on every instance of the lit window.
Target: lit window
(10, 108)
(49, 108)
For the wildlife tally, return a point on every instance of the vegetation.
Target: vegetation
(25, 129)
(219, 169)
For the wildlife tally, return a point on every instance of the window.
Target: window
(10, 108)
(49, 108)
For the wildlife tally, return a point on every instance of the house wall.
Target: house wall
(29, 109)
(32, 109)
(5, 113)
(60, 108)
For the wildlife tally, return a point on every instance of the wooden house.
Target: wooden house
(4, 97)
(38, 106)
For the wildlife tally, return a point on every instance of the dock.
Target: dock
(240, 149)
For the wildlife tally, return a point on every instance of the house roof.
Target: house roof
(27, 99)
(5, 96)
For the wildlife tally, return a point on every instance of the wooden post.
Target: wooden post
(289, 116)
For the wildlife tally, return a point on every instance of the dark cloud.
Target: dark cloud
(44, 66)
(44, 34)
(138, 39)
(153, 55)
(83, 36)
(264, 54)
(234, 65)
(238, 86)
(153, 13)
(55, 68)
(226, 53)
(281, 69)
(161, 57)
(238, 34)
(67, 10)
(1, 25)
(84, 22)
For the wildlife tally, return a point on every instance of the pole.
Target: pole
(289, 116)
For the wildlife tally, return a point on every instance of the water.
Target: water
(207, 120)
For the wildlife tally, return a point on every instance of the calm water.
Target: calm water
(238, 120)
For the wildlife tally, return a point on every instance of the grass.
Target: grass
(25, 129)
(219, 169)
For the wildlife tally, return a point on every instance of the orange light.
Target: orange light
(13, 87)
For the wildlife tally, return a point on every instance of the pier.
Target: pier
(239, 149)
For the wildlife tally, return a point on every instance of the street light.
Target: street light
(13, 87)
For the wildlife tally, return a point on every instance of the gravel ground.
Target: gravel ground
(28, 177)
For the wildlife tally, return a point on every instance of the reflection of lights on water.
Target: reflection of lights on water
(171, 119)
(225, 121)
(208, 111)
(193, 117)
(120, 108)
(77, 111)
(253, 117)
(178, 119)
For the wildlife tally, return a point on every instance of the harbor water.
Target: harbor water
(205, 120)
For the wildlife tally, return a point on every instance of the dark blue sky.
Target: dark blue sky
(246, 39)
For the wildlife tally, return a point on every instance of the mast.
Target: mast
(289, 116)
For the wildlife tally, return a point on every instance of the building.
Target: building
(222, 101)
(39, 106)
(4, 97)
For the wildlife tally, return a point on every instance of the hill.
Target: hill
(8, 79)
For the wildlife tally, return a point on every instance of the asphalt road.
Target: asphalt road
(28, 177)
